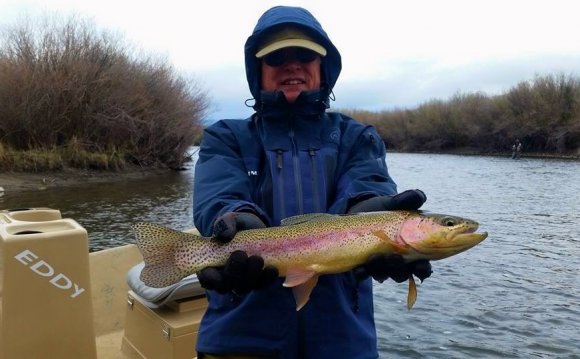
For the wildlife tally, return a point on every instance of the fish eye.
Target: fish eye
(448, 221)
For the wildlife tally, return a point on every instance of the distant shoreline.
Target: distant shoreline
(467, 152)
(22, 181)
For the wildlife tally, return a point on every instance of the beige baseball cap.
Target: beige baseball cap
(289, 37)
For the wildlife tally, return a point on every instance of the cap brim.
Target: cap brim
(307, 44)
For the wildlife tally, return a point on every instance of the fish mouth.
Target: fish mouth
(466, 239)
(464, 236)
(457, 244)
(452, 243)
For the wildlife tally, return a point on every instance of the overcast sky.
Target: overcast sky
(396, 54)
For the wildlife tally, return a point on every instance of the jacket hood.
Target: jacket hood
(278, 17)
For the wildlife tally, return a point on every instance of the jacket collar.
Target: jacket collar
(274, 106)
(282, 125)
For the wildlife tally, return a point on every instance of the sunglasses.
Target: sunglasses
(278, 58)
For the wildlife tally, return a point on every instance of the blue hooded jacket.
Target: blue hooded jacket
(286, 160)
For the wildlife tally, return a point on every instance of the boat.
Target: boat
(58, 300)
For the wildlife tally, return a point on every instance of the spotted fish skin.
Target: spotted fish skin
(307, 246)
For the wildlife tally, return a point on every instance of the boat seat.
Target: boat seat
(156, 297)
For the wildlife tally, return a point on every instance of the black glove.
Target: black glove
(410, 200)
(240, 273)
(380, 266)
(226, 226)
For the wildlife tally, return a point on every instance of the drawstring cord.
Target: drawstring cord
(248, 104)
(332, 96)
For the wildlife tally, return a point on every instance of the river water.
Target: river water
(516, 295)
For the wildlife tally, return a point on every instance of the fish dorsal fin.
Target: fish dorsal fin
(304, 218)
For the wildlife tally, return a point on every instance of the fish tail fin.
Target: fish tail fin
(158, 245)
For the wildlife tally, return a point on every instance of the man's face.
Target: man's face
(291, 70)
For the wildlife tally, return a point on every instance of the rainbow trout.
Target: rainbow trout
(307, 246)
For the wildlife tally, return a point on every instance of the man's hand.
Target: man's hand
(382, 267)
(226, 226)
(410, 200)
(379, 266)
(241, 273)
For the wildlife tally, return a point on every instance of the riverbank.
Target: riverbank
(12, 182)
(475, 152)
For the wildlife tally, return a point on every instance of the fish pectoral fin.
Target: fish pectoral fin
(412, 295)
(297, 276)
(302, 292)
(382, 235)
(395, 247)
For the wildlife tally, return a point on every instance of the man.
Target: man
(517, 149)
(291, 157)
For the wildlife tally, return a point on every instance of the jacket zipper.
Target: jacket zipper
(279, 165)
(297, 173)
(301, 345)
(315, 189)
(279, 159)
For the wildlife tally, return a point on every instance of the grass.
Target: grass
(56, 159)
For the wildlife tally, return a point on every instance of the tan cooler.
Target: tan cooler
(45, 286)
(169, 331)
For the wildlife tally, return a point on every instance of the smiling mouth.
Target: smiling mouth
(293, 82)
